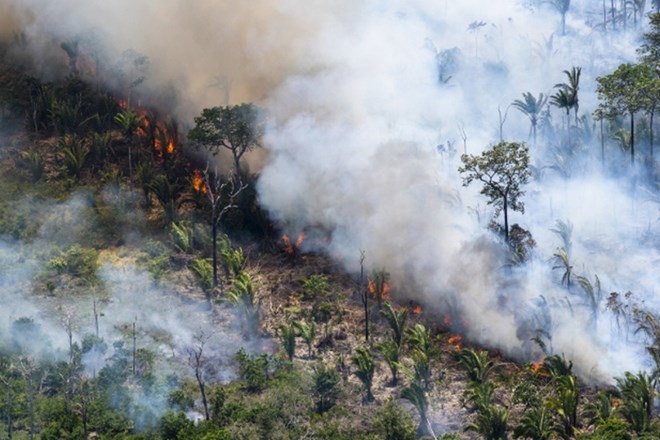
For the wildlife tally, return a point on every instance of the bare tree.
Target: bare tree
(196, 362)
(222, 195)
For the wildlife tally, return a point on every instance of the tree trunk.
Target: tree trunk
(506, 217)
(214, 234)
(602, 145)
(632, 138)
(651, 134)
(202, 390)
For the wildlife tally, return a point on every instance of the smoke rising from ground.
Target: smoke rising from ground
(371, 104)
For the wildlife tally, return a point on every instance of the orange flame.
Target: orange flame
(456, 341)
(292, 248)
(198, 181)
(537, 367)
(417, 310)
(385, 294)
(170, 147)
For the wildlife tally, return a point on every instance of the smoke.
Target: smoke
(371, 104)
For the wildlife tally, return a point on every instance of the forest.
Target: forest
(353, 220)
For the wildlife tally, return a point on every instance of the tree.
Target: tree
(532, 108)
(128, 122)
(397, 321)
(562, 7)
(307, 331)
(416, 395)
(503, 170)
(537, 423)
(365, 369)
(564, 100)
(326, 387)
(622, 92)
(196, 362)
(222, 195)
(237, 128)
(650, 47)
(572, 87)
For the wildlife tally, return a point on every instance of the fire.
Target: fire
(537, 367)
(292, 248)
(373, 289)
(170, 147)
(417, 310)
(288, 247)
(198, 181)
(456, 341)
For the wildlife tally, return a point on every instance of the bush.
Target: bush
(392, 422)
(253, 370)
(204, 271)
(76, 261)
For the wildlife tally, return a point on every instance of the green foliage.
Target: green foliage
(397, 321)
(34, 162)
(476, 364)
(503, 170)
(99, 146)
(392, 422)
(419, 340)
(365, 369)
(203, 268)
(416, 395)
(326, 387)
(536, 423)
(237, 128)
(253, 370)
(612, 428)
(565, 403)
(491, 422)
(315, 286)
(175, 426)
(181, 234)
(532, 108)
(234, 259)
(243, 295)
(391, 353)
(287, 337)
(479, 394)
(76, 261)
(75, 151)
(557, 366)
(307, 331)
(156, 258)
(167, 194)
(637, 392)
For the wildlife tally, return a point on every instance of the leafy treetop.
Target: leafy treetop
(503, 170)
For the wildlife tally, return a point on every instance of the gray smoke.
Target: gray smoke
(371, 104)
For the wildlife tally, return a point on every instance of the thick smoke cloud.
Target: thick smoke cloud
(371, 103)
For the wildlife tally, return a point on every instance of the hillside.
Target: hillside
(358, 222)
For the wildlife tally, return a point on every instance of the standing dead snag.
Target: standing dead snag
(222, 197)
(363, 290)
(196, 362)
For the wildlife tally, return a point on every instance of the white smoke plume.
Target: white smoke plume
(371, 104)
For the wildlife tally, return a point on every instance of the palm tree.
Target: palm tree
(128, 122)
(563, 262)
(392, 353)
(532, 108)
(308, 333)
(417, 396)
(565, 402)
(564, 100)
(537, 423)
(288, 339)
(491, 423)
(366, 368)
(562, 7)
(476, 364)
(573, 87)
(396, 320)
(243, 295)
(638, 393)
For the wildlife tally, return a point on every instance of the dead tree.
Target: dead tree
(196, 362)
(222, 197)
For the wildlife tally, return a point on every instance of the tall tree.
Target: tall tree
(572, 87)
(236, 128)
(622, 92)
(562, 7)
(532, 108)
(503, 170)
(563, 100)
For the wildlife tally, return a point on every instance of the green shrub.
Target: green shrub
(33, 161)
(392, 422)
(253, 370)
(326, 387)
(155, 258)
(203, 268)
(76, 261)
